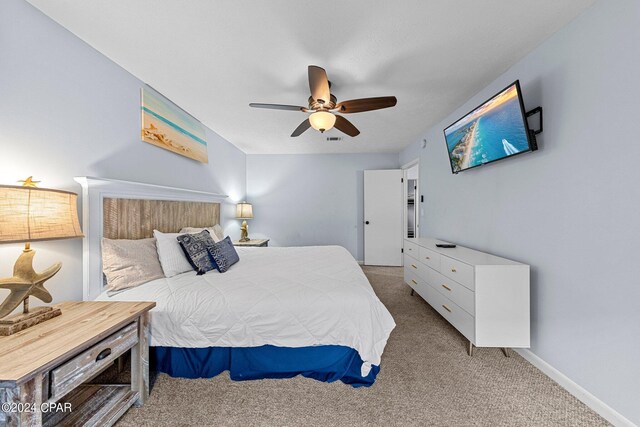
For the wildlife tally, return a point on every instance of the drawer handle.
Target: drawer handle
(453, 270)
(446, 287)
(414, 266)
(446, 308)
(103, 354)
(427, 257)
(414, 282)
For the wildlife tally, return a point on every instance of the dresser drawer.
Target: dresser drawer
(412, 265)
(458, 271)
(455, 315)
(411, 249)
(430, 258)
(421, 288)
(453, 290)
(411, 276)
(83, 367)
(414, 281)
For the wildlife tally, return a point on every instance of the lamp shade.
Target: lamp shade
(30, 214)
(244, 210)
(322, 120)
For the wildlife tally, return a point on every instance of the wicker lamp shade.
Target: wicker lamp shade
(29, 214)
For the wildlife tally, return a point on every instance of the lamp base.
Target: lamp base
(26, 282)
(22, 321)
(244, 232)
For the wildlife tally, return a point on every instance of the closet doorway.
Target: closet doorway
(411, 200)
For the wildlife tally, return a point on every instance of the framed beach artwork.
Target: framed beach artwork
(168, 126)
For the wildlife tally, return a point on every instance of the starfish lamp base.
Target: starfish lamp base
(22, 321)
(26, 282)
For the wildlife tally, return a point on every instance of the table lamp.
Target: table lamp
(244, 211)
(29, 214)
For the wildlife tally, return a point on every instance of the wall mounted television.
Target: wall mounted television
(495, 130)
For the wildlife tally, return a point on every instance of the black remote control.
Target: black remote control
(445, 245)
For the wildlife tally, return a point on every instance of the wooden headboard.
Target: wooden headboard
(131, 210)
(137, 218)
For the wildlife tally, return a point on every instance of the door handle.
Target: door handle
(366, 222)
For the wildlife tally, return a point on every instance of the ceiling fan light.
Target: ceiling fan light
(322, 120)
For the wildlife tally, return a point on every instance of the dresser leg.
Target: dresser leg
(140, 361)
(29, 397)
(412, 292)
(505, 351)
(120, 361)
(470, 351)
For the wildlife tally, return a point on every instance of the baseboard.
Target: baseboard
(604, 410)
(360, 262)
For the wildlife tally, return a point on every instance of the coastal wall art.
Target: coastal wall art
(168, 126)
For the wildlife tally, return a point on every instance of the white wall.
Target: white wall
(571, 210)
(314, 199)
(67, 110)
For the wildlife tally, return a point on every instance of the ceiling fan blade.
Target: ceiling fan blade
(346, 126)
(319, 84)
(278, 107)
(366, 104)
(300, 129)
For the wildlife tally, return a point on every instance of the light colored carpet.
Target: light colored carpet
(426, 378)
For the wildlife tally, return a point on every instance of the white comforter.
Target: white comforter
(287, 297)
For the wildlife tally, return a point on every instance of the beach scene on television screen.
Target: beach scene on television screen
(490, 132)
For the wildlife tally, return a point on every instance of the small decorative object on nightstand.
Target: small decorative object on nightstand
(30, 214)
(244, 211)
(44, 371)
(253, 242)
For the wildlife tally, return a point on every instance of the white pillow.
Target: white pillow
(217, 233)
(172, 258)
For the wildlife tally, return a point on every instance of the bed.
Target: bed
(278, 313)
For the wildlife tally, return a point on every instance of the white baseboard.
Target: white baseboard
(604, 410)
(360, 262)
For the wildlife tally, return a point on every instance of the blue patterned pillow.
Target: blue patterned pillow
(224, 254)
(195, 247)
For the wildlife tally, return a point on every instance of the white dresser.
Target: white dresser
(483, 296)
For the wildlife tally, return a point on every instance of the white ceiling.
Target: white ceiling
(214, 57)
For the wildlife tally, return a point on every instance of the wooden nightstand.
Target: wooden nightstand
(257, 242)
(43, 369)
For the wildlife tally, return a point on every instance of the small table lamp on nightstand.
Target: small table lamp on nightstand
(30, 214)
(244, 211)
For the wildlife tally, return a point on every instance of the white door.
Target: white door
(383, 217)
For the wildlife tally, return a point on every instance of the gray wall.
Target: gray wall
(314, 199)
(67, 110)
(571, 209)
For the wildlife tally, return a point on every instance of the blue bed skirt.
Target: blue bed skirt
(323, 363)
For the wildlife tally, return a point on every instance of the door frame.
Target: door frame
(405, 168)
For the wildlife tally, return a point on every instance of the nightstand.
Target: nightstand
(253, 242)
(44, 369)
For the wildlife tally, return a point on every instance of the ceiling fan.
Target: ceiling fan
(323, 106)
